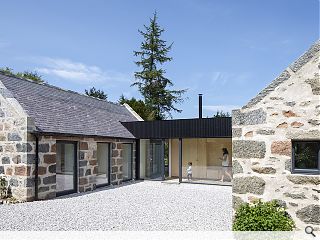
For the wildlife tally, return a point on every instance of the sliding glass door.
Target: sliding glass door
(203, 160)
(103, 156)
(152, 159)
(66, 167)
(127, 161)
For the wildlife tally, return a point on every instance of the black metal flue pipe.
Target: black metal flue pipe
(200, 105)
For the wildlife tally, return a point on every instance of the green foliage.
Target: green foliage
(13, 200)
(97, 93)
(151, 82)
(7, 70)
(139, 107)
(3, 187)
(262, 216)
(221, 114)
(305, 159)
(33, 76)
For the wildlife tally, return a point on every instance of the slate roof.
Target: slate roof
(55, 110)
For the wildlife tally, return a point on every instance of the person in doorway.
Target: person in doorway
(189, 171)
(225, 165)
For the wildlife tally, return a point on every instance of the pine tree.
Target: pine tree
(97, 93)
(151, 82)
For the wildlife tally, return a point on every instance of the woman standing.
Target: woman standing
(225, 164)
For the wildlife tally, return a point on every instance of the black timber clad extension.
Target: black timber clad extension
(181, 128)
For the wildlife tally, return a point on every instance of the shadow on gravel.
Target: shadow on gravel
(105, 188)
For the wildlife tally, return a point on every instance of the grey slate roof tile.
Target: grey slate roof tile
(60, 111)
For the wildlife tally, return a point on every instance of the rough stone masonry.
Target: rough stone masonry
(18, 154)
(288, 109)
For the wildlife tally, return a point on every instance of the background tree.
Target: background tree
(151, 82)
(33, 76)
(221, 114)
(7, 70)
(139, 107)
(97, 93)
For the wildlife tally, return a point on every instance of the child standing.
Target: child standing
(189, 171)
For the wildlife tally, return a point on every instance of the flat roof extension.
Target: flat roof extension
(220, 127)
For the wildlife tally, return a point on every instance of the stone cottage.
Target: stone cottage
(276, 142)
(55, 142)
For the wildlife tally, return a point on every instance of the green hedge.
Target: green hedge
(262, 216)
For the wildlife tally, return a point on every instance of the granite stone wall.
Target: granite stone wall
(46, 167)
(87, 163)
(16, 154)
(263, 130)
(117, 162)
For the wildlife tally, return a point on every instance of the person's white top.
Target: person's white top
(225, 160)
(189, 170)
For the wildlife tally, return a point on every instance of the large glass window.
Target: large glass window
(127, 161)
(66, 167)
(204, 160)
(103, 164)
(152, 154)
(306, 156)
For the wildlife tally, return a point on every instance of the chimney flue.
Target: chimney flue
(200, 105)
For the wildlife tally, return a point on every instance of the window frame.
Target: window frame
(131, 170)
(108, 164)
(75, 169)
(304, 171)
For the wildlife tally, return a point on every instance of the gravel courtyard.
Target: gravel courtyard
(140, 206)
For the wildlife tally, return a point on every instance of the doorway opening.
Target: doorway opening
(103, 159)
(66, 167)
(154, 159)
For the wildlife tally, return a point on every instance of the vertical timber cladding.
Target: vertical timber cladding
(263, 130)
(87, 164)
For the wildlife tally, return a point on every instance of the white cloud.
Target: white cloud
(79, 72)
(220, 77)
(224, 108)
(227, 77)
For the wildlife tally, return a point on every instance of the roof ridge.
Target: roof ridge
(56, 87)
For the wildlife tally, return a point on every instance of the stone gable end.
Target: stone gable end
(16, 162)
(263, 130)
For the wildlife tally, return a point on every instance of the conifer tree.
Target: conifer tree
(139, 107)
(97, 93)
(151, 80)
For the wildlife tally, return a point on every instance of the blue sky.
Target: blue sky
(226, 49)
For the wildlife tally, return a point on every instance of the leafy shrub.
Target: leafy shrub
(3, 187)
(262, 216)
(12, 200)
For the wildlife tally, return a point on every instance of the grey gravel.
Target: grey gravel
(138, 206)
